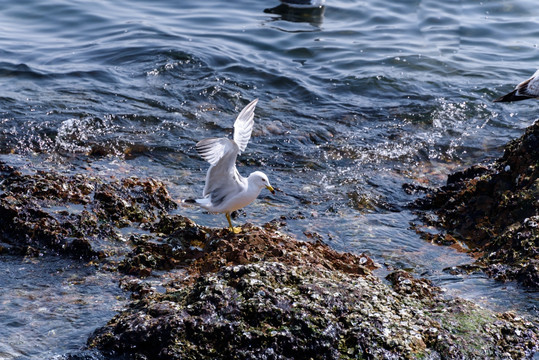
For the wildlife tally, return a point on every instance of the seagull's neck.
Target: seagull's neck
(252, 188)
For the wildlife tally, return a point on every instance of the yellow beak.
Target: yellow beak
(270, 188)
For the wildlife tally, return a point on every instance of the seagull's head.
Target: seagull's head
(259, 179)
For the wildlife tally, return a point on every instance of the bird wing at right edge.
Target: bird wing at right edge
(529, 87)
(244, 125)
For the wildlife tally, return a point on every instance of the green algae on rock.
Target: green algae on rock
(495, 210)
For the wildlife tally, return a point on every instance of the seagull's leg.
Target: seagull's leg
(235, 230)
(229, 221)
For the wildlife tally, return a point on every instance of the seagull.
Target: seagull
(528, 89)
(226, 190)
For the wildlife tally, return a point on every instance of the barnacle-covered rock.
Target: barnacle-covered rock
(200, 293)
(200, 249)
(274, 310)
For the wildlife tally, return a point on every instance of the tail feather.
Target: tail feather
(204, 202)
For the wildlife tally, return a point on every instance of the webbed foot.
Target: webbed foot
(235, 230)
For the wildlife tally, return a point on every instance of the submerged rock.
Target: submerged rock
(495, 210)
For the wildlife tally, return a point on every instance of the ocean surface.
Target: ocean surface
(355, 99)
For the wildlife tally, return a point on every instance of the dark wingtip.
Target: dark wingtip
(512, 96)
(190, 201)
(506, 97)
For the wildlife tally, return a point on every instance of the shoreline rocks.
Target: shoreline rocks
(276, 310)
(78, 216)
(495, 211)
(201, 293)
(182, 243)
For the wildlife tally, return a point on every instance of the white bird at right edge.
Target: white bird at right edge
(528, 89)
(226, 190)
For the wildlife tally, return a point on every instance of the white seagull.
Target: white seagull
(226, 190)
(528, 89)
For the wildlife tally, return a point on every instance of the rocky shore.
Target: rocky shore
(264, 295)
(79, 216)
(494, 210)
(201, 293)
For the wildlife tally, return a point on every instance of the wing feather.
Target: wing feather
(213, 149)
(222, 173)
(533, 86)
(527, 89)
(243, 126)
(223, 179)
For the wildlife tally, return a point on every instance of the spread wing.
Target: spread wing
(529, 87)
(222, 178)
(533, 86)
(213, 149)
(244, 125)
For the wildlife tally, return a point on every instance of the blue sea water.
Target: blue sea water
(356, 99)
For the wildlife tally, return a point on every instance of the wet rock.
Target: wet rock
(404, 283)
(201, 249)
(262, 294)
(495, 211)
(76, 215)
(274, 310)
(201, 293)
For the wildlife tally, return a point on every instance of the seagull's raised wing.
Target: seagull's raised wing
(221, 153)
(213, 149)
(244, 125)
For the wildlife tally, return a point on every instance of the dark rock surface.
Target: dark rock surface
(80, 216)
(182, 243)
(495, 210)
(200, 293)
(273, 310)
(264, 295)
